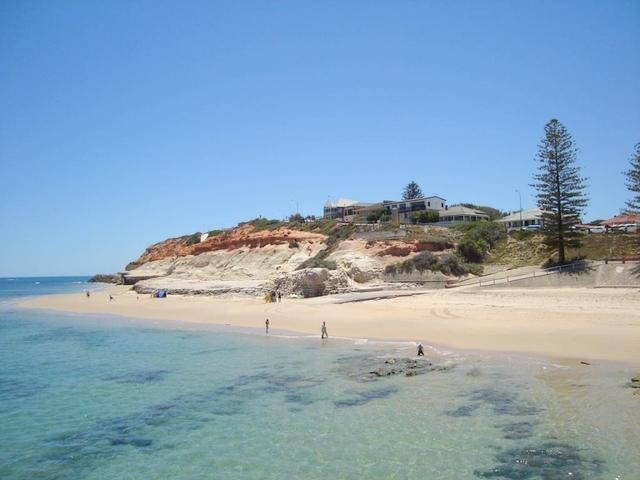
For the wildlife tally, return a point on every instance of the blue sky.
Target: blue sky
(126, 122)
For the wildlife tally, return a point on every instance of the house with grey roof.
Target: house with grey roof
(459, 214)
(522, 218)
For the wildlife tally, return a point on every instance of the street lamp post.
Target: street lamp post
(520, 198)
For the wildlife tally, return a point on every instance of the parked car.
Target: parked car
(531, 228)
(597, 229)
(630, 227)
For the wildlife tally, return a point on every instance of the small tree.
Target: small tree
(379, 214)
(473, 251)
(560, 187)
(296, 218)
(633, 182)
(411, 191)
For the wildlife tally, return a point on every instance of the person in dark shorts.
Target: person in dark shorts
(420, 350)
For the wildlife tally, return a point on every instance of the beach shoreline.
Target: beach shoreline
(570, 325)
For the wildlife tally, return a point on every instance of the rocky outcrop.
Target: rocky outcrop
(312, 282)
(254, 257)
(183, 286)
(114, 278)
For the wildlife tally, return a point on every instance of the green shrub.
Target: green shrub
(378, 215)
(322, 225)
(473, 251)
(425, 216)
(406, 267)
(448, 264)
(260, 224)
(424, 261)
(391, 270)
(192, 239)
(490, 232)
(214, 233)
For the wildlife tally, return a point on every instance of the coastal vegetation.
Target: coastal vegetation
(425, 216)
(477, 239)
(193, 238)
(450, 264)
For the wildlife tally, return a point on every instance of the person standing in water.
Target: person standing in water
(323, 331)
(266, 327)
(420, 350)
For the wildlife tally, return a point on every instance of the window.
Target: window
(428, 204)
(441, 204)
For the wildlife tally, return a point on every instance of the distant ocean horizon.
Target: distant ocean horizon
(102, 397)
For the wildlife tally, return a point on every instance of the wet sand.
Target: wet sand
(574, 324)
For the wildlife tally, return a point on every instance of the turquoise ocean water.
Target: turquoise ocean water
(96, 397)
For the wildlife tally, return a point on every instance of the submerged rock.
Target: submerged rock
(551, 461)
(635, 382)
(373, 366)
(410, 367)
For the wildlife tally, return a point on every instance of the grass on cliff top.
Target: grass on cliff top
(601, 246)
(528, 249)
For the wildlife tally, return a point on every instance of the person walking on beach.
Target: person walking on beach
(420, 350)
(88, 294)
(279, 296)
(266, 327)
(111, 299)
(323, 331)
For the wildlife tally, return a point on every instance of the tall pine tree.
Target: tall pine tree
(561, 189)
(633, 182)
(411, 191)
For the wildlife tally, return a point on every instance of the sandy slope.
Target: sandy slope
(573, 323)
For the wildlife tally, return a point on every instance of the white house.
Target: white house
(521, 219)
(460, 214)
(400, 211)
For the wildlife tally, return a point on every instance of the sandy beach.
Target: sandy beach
(573, 324)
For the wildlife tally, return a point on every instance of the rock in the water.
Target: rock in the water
(635, 382)
(409, 367)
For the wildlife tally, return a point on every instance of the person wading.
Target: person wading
(323, 331)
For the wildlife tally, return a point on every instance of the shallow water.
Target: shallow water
(98, 398)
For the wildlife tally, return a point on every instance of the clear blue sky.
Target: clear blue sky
(126, 122)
